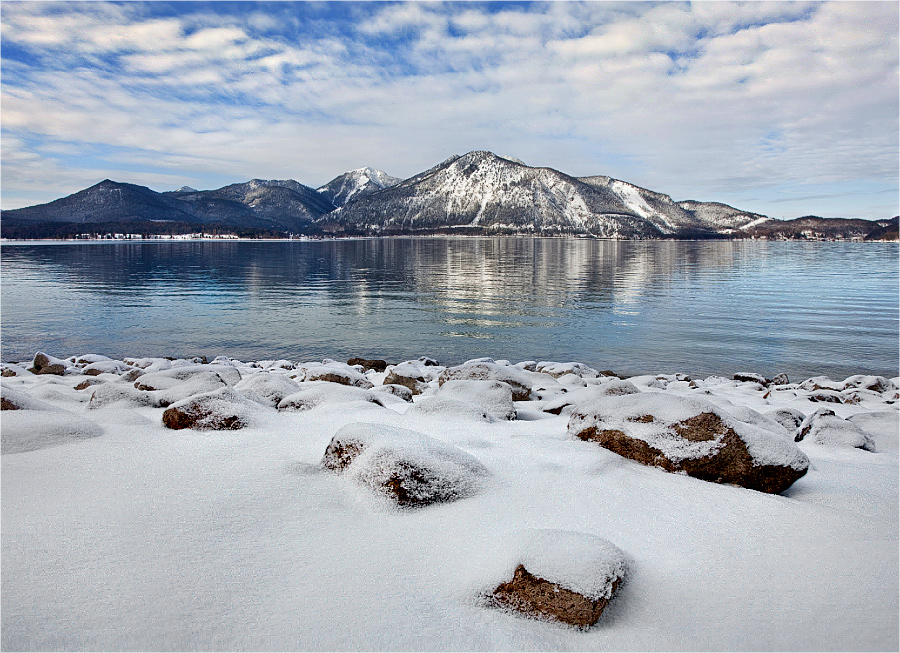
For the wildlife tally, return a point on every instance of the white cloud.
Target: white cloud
(693, 100)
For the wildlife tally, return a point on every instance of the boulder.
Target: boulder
(447, 408)
(751, 377)
(409, 468)
(823, 427)
(495, 397)
(557, 370)
(332, 372)
(780, 379)
(415, 375)
(220, 410)
(566, 403)
(789, 418)
(313, 394)
(33, 424)
(369, 364)
(107, 394)
(485, 370)
(44, 364)
(562, 576)
(692, 436)
(267, 388)
(400, 391)
(173, 376)
(878, 384)
(105, 367)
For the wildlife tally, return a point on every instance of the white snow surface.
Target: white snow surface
(120, 534)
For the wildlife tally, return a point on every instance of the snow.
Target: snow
(141, 537)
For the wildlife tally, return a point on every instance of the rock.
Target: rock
(829, 396)
(694, 437)
(415, 375)
(267, 388)
(377, 364)
(313, 394)
(173, 376)
(823, 427)
(107, 394)
(447, 408)
(752, 377)
(567, 402)
(87, 383)
(878, 384)
(486, 370)
(195, 384)
(105, 367)
(399, 391)
(563, 576)
(788, 418)
(409, 468)
(332, 372)
(557, 370)
(44, 364)
(780, 379)
(494, 397)
(32, 424)
(821, 383)
(220, 410)
(12, 369)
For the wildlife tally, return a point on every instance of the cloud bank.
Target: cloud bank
(779, 108)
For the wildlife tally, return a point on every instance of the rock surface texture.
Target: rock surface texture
(694, 437)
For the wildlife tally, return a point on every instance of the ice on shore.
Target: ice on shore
(120, 533)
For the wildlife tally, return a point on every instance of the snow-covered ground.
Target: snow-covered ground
(119, 533)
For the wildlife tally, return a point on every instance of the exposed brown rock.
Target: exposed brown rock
(87, 383)
(340, 453)
(209, 412)
(6, 404)
(369, 364)
(537, 597)
(414, 383)
(43, 365)
(728, 463)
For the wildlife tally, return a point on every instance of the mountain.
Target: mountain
(108, 201)
(476, 193)
(261, 204)
(355, 184)
(273, 204)
(481, 192)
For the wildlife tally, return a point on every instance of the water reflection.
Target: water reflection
(698, 307)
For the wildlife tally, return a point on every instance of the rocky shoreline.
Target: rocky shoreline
(745, 431)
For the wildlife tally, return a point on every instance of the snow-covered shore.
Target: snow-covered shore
(123, 530)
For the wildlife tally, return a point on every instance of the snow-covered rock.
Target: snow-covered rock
(46, 364)
(495, 397)
(693, 436)
(561, 575)
(333, 372)
(267, 388)
(408, 467)
(313, 394)
(567, 402)
(221, 410)
(29, 424)
(413, 374)
(487, 370)
(447, 409)
(823, 427)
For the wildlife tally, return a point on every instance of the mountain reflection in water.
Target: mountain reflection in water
(694, 307)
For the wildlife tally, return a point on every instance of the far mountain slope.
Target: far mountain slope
(355, 184)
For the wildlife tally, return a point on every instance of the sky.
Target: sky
(783, 108)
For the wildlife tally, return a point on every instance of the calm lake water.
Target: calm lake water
(633, 307)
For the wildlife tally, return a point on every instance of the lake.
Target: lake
(697, 307)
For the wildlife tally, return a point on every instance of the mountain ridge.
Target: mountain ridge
(475, 193)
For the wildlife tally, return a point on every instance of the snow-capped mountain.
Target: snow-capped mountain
(355, 184)
(476, 193)
(483, 192)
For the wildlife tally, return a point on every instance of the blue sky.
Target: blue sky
(785, 109)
